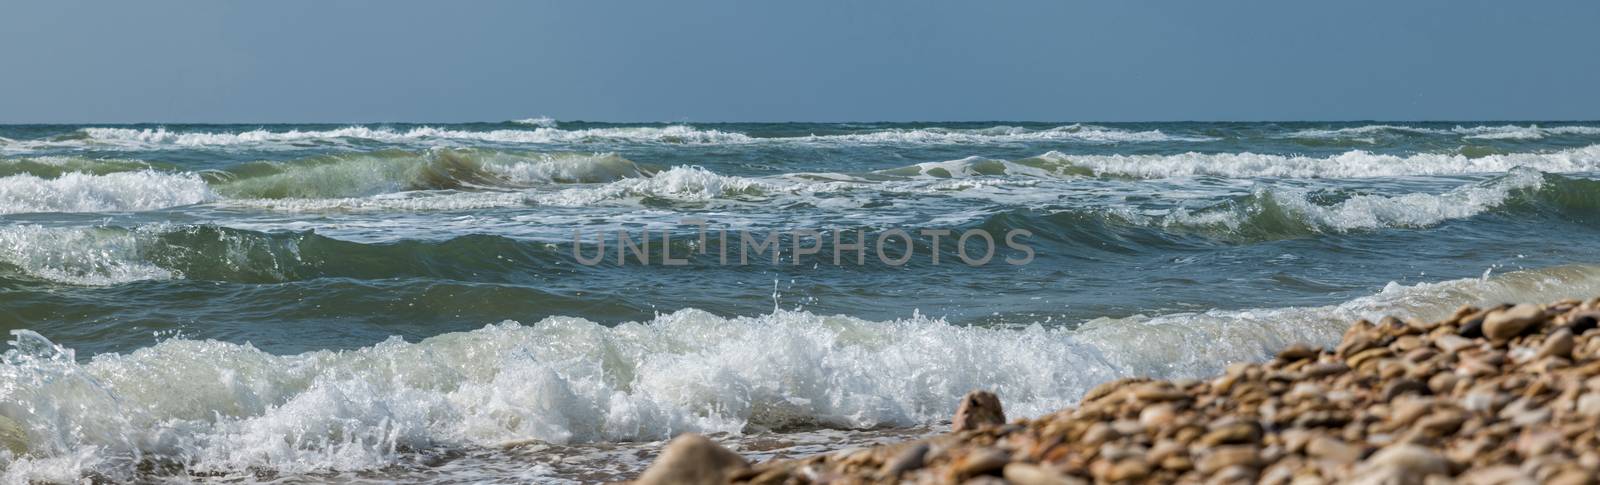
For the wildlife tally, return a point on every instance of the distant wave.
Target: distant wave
(1273, 213)
(542, 122)
(1074, 132)
(545, 131)
(242, 411)
(388, 171)
(157, 137)
(96, 256)
(1351, 164)
(1530, 132)
(457, 179)
(1277, 212)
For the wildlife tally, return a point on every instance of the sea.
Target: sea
(547, 301)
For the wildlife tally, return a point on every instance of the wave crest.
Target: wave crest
(111, 192)
(1351, 164)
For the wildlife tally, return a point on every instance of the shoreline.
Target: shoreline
(1504, 394)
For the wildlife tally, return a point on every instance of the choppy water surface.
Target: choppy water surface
(400, 301)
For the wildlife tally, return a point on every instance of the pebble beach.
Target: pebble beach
(1497, 395)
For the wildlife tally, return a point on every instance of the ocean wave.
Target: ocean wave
(1503, 132)
(678, 184)
(541, 121)
(158, 137)
(388, 171)
(111, 192)
(545, 131)
(1074, 132)
(104, 256)
(56, 166)
(76, 256)
(1276, 212)
(1041, 167)
(1351, 164)
(221, 408)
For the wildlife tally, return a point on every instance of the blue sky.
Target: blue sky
(820, 60)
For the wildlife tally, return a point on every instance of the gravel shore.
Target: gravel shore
(1507, 394)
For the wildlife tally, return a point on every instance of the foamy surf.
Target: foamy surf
(1500, 132)
(155, 138)
(112, 192)
(547, 131)
(1351, 164)
(230, 409)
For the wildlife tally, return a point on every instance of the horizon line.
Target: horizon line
(729, 122)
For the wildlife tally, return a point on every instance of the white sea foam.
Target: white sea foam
(544, 131)
(566, 168)
(112, 192)
(982, 167)
(682, 183)
(1502, 132)
(1074, 132)
(230, 408)
(157, 137)
(1351, 164)
(416, 201)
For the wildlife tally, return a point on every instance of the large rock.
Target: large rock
(978, 409)
(691, 458)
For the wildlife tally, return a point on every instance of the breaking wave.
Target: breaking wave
(542, 122)
(1074, 132)
(1277, 212)
(545, 131)
(111, 192)
(1515, 132)
(1351, 164)
(221, 408)
(158, 137)
(365, 174)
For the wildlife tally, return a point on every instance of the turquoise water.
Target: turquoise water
(340, 302)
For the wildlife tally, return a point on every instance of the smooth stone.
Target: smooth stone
(1158, 392)
(1228, 456)
(978, 409)
(1332, 449)
(1030, 474)
(1157, 415)
(1399, 387)
(909, 459)
(1129, 469)
(1589, 404)
(1297, 351)
(1236, 433)
(1411, 461)
(691, 458)
(1559, 344)
(980, 462)
(1453, 344)
(1444, 422)
(1505, 324)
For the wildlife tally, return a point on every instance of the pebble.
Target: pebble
(1409, 461)
(1028, 474)
(1504, 324)
(978, 409)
